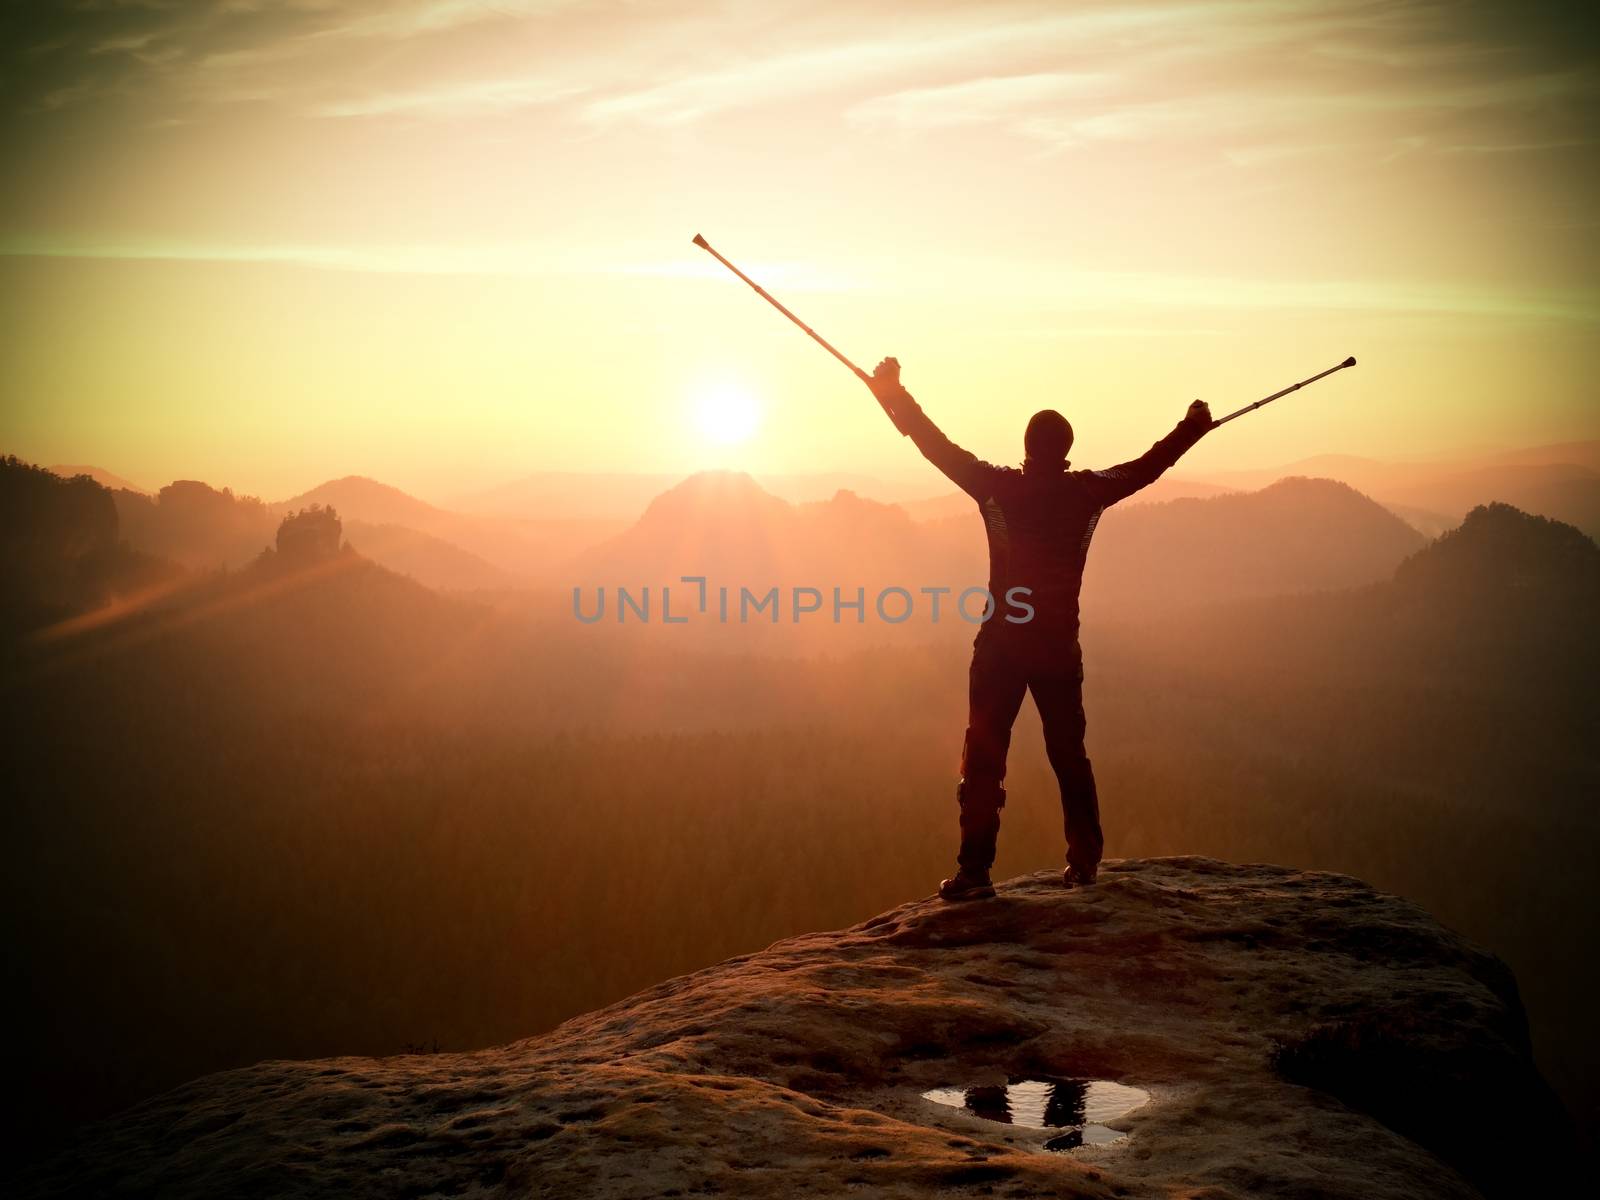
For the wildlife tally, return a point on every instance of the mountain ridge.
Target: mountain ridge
(100, 475)
(725, 522)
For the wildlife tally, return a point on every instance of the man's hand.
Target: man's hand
(885, 380)
(1199, 414)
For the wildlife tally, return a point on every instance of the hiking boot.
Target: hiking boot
(1074, 877)
(962, 886)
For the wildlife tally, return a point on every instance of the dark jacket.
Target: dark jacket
(1039, 523)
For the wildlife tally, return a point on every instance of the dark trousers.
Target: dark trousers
(1006, 664)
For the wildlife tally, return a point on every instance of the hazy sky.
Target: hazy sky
(445, 243)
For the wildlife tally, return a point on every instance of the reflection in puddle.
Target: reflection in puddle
(1078, 1107)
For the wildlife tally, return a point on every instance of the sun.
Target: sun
(726, 414)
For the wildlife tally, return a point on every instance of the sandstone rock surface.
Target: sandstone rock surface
(1300, 1034)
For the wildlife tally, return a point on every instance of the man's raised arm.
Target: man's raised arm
(964, 469)
(1119, 482)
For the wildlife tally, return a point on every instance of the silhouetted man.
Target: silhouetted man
(1039, 521)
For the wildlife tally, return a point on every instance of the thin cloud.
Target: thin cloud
(1078, 331)
(787, 276)
(65, 97)
(401, 21)
(1098, 291)
(1533, 146)
(474, 99)
(126, 44)
(975, 101)
(845, 65)
(1412, 58)
(1077, 117)
(1378, 151)
(1191, 293)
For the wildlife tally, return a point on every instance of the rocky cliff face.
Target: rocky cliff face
(1274, 1032)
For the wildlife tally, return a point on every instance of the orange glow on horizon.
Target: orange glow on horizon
(447, 245)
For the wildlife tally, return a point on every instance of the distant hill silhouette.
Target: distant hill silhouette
(1560, 481)
(99, 474)
(204, 528)
(1583, 454)
(308, 538)
(450, 549)
(196, 524)
(618, 496)
(368, 500)
(307, 625)
(1562, 492)
(1492, 619)
(717, 522)
(725, 526)
(1176, 487)
(1501, 557)
(603, 495)
(551, 528)
(419, 539)
(1299, 535)
(62, 552)
(428, 559)
(1425, 521)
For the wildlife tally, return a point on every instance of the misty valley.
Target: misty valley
(293, 781)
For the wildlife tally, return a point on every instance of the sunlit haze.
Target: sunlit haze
(446, 244)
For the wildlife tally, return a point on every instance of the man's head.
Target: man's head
(1047, 440)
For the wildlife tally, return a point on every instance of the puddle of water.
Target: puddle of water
(1077, 1107)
